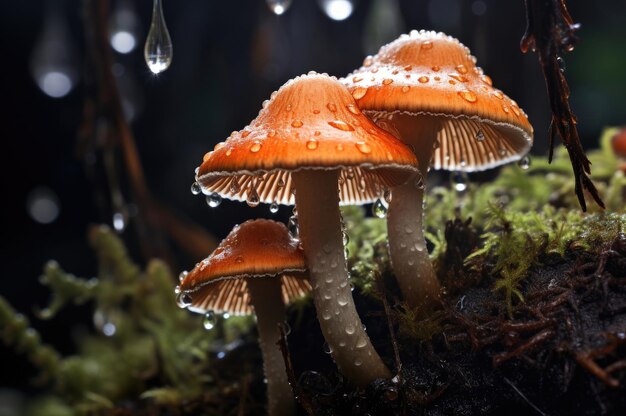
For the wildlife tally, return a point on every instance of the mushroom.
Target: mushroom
(259, 269)
(425, 88)
(310, 139)
(618, 144)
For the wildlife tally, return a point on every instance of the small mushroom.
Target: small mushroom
(258, 268)
(311, 140)
(618, 144)
(426, 89)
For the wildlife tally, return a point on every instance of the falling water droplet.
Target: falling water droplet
(524, 163)
(182, 276)
(459, 181)
(195, 188)
(158, 49)
(379, 209)
(278, 7)
(209, 320)
(214, 200)
(274, 208)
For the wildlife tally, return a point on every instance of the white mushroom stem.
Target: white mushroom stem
(266, 299)
(319, 222)
(407, 246)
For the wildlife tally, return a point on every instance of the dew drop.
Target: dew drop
(423, 79)
(406, 88)
(353, 109)
(468, 96)
(427, 45)
(462, 69)
(239, 259)
(331, 107)
(182, 276)
(350, 329)
(183, 300)
(506, 109)
(419, 182)
(292, 226)
(359, 93)
(312, 144)
(379, 209)
(209, 320)
(206, 156)
(498, 94)
(341, 125)
(245, 133)
(271, 133)
(362, 342)
(158, 48)
(274, 208)
(480, 136)
(234, 186)
(435, 68)
(459, 181)
(486, 79)
(524, 163)
(195, 188)
(363, 147)
(214, 200)
(368, 61)
(256, 146)
(229, 151)
(296, 123)
(340, 147)
(358, 362)
(460, 78)
(561, 62)
(387, 81)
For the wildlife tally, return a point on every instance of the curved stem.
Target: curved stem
(407, 246)
(319, 221)
(266, 298)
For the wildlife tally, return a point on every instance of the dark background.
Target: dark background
(228, 57)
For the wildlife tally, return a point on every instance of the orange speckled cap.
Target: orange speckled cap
(311, 122)
(256, 249)
(430, 73)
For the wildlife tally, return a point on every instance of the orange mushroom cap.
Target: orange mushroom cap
(430, 73)
(256, 249)
(618, 143)
(311, 122)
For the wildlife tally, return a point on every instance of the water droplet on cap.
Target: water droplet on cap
(359, 93)
(312, 144)
(341, 125)
(468, 96)
(195, 188)
(214, 200)
(363, 147)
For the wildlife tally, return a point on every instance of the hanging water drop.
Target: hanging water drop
(182, 276)
(253, 197)
(419, 182)
(524, 163)
(274, 208)
(379, 209)
(209, 320)
(214, 200)
(459, 181)
(196, 188)
(278, 7)
(158, 49)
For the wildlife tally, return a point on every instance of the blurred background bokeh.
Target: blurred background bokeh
(228, 57)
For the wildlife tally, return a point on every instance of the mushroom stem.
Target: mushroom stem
(317, 201)
(407, 246)
(266, 299)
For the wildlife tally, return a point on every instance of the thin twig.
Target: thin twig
(518, 391)
(301, 397)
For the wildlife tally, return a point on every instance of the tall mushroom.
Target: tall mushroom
(258, 268)
(426, 88)
(311, 140)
